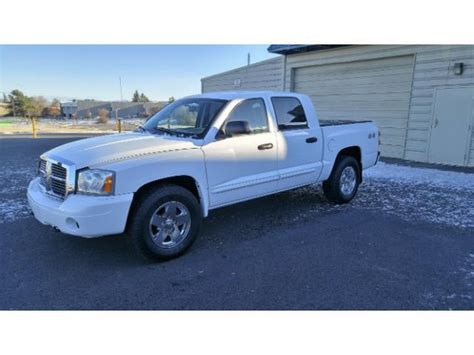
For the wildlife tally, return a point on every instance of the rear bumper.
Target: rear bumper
(79, 215)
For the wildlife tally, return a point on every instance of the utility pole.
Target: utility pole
(121, 94)
(248, 58)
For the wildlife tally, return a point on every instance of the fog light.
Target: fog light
(72, 223)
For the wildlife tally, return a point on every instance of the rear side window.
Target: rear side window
(253, 111)
(289, 113)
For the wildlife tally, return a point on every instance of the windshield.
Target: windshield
(185, 117)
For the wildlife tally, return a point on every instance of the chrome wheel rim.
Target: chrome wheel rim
(348, 180)
(170, 224)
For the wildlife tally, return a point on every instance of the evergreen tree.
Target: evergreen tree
(136, 96)
(143, 98)
(19, 102)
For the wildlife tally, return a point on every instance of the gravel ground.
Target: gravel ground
(406, 242)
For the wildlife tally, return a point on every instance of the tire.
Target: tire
(165, 237)
(341, 188)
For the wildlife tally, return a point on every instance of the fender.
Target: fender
(132, 174)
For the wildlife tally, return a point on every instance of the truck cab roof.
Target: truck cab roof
(232, 95)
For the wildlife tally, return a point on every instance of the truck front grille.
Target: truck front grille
(53, 177)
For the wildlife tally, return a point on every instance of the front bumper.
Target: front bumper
(80, 215)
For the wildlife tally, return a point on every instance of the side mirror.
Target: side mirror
(234, 128)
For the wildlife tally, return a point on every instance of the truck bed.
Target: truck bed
(325, 123)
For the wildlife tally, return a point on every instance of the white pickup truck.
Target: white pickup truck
(197, 154)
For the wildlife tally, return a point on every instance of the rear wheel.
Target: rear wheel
(343, 183)
(165, 223)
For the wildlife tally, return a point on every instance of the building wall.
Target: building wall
(83, 112)
(82, 108)
(432, 68)
(262, 75)
(377, 90)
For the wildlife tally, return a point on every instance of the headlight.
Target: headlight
(95, 181)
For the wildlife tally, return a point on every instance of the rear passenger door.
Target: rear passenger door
(299, 142)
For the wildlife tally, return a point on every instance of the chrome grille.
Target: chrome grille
(53, 177)
(59, 171)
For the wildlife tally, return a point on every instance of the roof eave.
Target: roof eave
(300, 48)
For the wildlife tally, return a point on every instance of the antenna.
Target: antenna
(121, 94)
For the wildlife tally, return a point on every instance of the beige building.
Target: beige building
(421, 97)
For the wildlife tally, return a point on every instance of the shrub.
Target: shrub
(103, 116)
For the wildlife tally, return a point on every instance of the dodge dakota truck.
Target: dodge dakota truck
(199, 153)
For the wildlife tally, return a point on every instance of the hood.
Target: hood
(111, 148)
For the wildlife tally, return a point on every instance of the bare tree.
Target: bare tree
(54, 110)
(103, 115)
(34, 106)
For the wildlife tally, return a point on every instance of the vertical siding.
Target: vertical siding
(266, 75)
(432, 68)
(377, 89)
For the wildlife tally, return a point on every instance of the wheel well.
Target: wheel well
(184, 181)
(352, 152)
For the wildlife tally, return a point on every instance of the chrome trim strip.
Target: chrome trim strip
(249, 183)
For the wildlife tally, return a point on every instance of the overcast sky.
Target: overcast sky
(159, 71)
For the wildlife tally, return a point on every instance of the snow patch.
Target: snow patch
(426, 176)
(431, 195)
(14, 209)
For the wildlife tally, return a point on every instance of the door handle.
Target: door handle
(311, 140)
(265, 146)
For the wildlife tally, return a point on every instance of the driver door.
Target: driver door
(243, 166)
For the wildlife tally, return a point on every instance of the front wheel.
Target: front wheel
(342, 185)
(165, 222)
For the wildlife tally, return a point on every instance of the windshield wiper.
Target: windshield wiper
(173, 132)
(165, 130)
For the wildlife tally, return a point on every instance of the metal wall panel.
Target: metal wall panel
(266, 75)
(376, 89)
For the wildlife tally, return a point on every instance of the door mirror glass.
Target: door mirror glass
(236, 128)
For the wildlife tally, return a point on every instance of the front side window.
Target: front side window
(185, 117)
(289, 113)
(254, 112)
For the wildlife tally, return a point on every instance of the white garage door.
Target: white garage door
(377, 90)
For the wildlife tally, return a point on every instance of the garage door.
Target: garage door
(378, 90)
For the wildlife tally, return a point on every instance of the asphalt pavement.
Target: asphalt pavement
(292, 251)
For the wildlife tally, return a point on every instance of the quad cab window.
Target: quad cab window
(289, 113)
